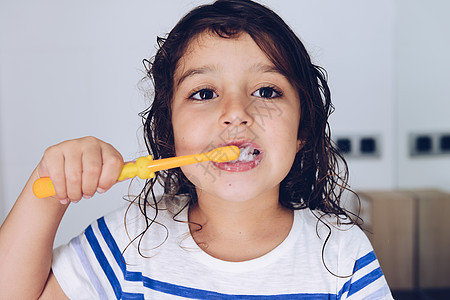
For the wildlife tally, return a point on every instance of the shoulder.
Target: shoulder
(326, 224)
(95, 260)
(347, 252)
(339, 241)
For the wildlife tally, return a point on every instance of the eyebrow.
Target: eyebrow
(256, 68)
(265, 68)
(195, 71)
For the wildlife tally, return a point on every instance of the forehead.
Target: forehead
(210, 49)
(209, 39)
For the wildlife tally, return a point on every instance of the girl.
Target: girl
(266, 225)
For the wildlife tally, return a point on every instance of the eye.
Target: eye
(203, 94)
(267, 93)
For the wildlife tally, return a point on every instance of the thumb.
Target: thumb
(42, 170)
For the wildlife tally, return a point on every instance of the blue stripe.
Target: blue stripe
(132, 296)
(359, 264)
(365, 281)
(379, 294)
(112, 245)
(193, 293)
(183, 291)
(345, 288)
(76, 244)
(364, 261)
(111, 242)
(92, 239)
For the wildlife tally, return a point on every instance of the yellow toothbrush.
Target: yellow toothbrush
(145, 167)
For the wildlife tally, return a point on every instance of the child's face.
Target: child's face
(228, 92)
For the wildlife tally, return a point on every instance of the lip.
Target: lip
(233, 166)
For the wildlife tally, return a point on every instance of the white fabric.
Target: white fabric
(91, 267)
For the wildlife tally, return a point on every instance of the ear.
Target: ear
(302, 138)
(300, 144)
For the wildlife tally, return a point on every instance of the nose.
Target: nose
(235, 111)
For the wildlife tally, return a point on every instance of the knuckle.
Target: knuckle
(58, 179)
(93, 169)
(51, 150)
(73, 179)
(114, 160)
(89, 139)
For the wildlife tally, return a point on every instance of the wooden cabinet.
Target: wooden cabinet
(410, 233)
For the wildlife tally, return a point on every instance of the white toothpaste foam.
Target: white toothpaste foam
(246, 154)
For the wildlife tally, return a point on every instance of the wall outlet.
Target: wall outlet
(362, 146)
(429, 144)
(444, 143)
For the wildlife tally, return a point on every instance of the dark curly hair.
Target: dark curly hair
(315, 180)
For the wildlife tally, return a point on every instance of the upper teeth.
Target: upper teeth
(248, 153)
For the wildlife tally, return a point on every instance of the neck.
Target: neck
(253, 227)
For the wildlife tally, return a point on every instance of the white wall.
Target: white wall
(70, 69)
(354, 42)
(423, 78)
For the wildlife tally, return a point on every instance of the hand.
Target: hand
(79, 168)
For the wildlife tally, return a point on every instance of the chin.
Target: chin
(241, 191)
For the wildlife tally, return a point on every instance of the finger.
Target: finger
(112, 166)
(73, 173)
(41, 169)
(92, 167)
(52, 165)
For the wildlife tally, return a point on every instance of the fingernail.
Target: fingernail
(87, 197)
(75, 201)
(64, 201)
(100, 190)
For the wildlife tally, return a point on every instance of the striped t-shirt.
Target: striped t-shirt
(170, 264)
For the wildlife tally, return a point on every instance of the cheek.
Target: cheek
(286, 126)
(191, 174)
(190, 135)
(284, 137)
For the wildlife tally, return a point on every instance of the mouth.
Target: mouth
(250, 156)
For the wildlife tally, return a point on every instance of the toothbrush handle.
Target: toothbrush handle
(138, 168)
(43, 187)
(145, 167)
